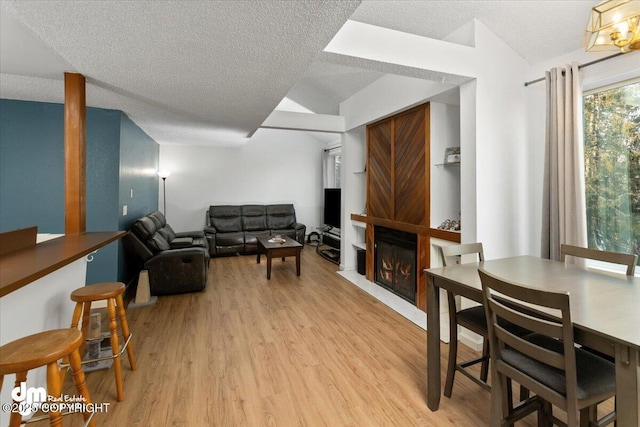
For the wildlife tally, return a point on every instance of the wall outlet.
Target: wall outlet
(124, 210)
(132, 193)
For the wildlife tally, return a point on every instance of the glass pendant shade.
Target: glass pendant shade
(614, 25)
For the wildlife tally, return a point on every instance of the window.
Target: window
(336, 170)
(331, 168)
(612, 167)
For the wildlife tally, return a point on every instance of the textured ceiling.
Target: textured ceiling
(537, 30)
(210, 72)
(226, 64)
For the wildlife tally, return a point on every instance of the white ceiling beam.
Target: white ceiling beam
(304, 121)
(370, 42)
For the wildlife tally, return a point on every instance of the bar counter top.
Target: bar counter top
(22, 267)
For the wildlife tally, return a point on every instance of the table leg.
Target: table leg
(297, 262)
(268, 266)
(433, 345)
(627, 386)
(258, 257)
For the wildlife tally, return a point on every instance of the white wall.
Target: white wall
(275, 166)
(445, 179)
(501, 154)
(468, 194)
(618, 69)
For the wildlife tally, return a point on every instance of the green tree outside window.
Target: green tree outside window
(612, 168)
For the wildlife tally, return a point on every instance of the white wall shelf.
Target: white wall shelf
(353, 160)
(360, 245)
(445, 177)
(358, 224)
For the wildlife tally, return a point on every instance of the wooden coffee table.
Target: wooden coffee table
(290, 247)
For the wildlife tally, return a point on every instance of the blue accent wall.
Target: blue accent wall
(139, 157)
(120, 157)
(103, 158)
(31, 166)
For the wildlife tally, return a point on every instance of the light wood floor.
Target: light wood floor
(312, 350)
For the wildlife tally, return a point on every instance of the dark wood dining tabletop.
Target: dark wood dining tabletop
(605, 310)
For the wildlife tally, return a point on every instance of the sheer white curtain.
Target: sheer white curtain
(564, 206)
(326, 171)
(329, 167)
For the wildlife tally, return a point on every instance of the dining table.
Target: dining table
(605, 312)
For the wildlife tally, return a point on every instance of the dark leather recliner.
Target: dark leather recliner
(176, 262)
(234, 230)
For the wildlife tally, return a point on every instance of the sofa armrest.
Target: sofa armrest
(210, 234)
(178, 270)
(301, 230)
(181, 242)
(164, 256)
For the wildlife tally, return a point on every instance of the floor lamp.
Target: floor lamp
(164, 174)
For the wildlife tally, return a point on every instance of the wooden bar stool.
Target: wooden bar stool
(112, 292)
(45, 349)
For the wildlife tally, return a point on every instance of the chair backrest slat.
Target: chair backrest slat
(630, 260)
(459, 250)
(526, 321)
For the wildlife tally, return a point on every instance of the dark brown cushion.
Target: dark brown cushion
(254, 218)
(145, 228)
(172, 234)
(280, 216)
(250, 237)
(159, 218)
(596, 376)
(225, 218)
(158, 244)
(166, 235)
(230, 239)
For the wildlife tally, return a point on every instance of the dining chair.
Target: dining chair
(630, 260)
(472, 318)
(547, 362)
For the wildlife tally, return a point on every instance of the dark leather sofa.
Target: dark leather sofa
(233, 230)
(176, 262)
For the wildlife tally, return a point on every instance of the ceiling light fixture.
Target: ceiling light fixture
(614, 25)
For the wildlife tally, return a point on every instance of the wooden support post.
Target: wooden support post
(75, 153)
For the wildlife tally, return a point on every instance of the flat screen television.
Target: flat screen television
(332, 207)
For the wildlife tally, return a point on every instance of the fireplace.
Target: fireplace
(395, 261)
